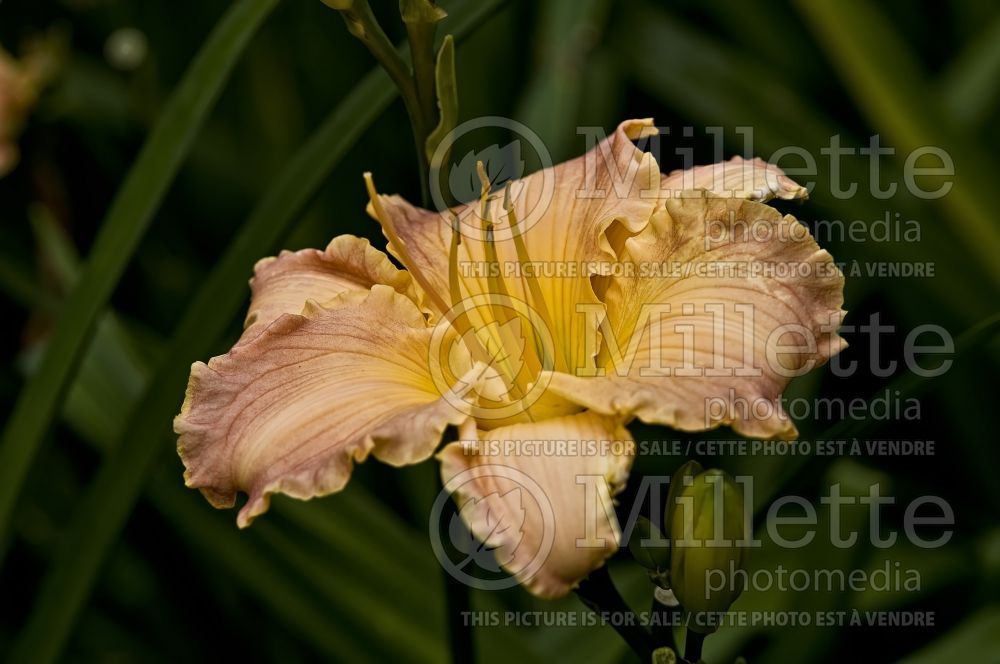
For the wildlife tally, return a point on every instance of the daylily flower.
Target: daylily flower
(19, 86)
(345, 356)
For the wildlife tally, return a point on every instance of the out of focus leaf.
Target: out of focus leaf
(127, 221)
(110, 498)
(808, 643)
(709, 80)
(566, 32)
(970, 86)
(231, 553)
(882, 74)
(111, 375)
(55, 246)
(387, 628)
(906, 385)
(23, 289)
(977, 639)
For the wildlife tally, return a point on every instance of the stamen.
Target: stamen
(460, 321)
(400, 246)
(531, 281)
(454, 283)
(501, 313)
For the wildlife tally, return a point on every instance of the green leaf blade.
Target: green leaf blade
(123, 228)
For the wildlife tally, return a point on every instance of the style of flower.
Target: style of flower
(345, 356)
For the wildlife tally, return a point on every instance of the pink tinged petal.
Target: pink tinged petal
(425, 237)
(291, 410)
(697, 349)
(754, 179)
(565, 214)
(283, 284)
(549, 519)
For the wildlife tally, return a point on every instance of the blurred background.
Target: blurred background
(258, 144)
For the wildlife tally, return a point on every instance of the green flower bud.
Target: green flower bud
(683, 477)
(707, 529)
(654, 557)
(420, 11)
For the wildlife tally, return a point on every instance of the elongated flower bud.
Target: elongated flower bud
(683, 477)
(706, 534)
(420, 11)
(649, 547)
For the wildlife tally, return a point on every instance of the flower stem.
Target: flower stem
(601, 596)
(662, 618)
(692, 646)
(457, 604)
(421, 36)
(459, 634)
(361, 23)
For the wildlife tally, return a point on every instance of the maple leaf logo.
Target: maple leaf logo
(503, 537)
(501, 163)
(504, 344)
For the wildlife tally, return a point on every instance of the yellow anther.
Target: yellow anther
(484, 181)
(397, 242)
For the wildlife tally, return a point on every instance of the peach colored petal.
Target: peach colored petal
(291, 410)
(282, 284)
(702, 363)
(563, 214)
(549, 519)
(737, 178)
